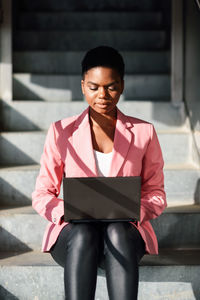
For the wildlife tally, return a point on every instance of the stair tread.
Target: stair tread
(192, 208)
(86, 5)
(21, 239)
(81, 53)
(166, 257)
(17, 210)
(184, 167)
(76, 31)
(38, 115)
(65, 12)
(74, 75)
(67, 87)
(83, 20)
(182, 209)
(82, 40)
(175, 257)
(68, 62)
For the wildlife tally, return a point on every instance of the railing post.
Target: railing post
(177, 52)
(6, 89)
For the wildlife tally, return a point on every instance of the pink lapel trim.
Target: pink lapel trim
(122, 141)
(82, 144)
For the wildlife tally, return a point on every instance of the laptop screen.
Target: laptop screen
(102, 198)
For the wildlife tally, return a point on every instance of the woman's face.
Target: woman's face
(102, 87)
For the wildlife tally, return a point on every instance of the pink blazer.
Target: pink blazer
(68, 152)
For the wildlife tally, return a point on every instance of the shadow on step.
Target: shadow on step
(11, 155)
(177, 230)
(6, 295)
(47, 88)
(13, 120)
(12, 197)
(9, 243)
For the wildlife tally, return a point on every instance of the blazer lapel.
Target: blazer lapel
(82, 144)
(122, 141)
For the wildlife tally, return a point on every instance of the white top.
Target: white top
(103, 161)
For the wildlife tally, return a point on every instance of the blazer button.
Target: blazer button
(54, 220)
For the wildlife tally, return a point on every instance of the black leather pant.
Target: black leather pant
(82, 247)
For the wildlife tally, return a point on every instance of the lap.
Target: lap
(123, 231)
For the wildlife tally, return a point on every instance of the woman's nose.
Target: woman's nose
(102, 93)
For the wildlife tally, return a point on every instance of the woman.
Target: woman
(101, 141)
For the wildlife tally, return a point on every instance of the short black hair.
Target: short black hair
(103, 56)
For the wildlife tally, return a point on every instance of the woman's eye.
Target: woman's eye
(93, 88)
(112, 88)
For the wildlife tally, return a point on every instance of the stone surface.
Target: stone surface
(166, 257)
(15, 188)
(37, 115)
(45, 280)
(172, 274)
(68, 62)
(67, 87)
(83, 20)
(181, 185)
(76, 40)
(17, 148)
(18, 226)
(71, 5)
(39, 287)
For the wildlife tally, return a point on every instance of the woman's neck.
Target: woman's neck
(103, 120)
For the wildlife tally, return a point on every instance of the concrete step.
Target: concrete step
(17, 148)
(169, 228)
(182, 185)
(15, 189)
(68, 62)
(67, 88)
(168, 280)
(84, 20)
(70, 5)
(37, 115)
(76, 40)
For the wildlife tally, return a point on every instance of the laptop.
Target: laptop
(106, 199)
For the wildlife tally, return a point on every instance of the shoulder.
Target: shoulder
(65, 126)
(137, 123)
(132, 120)
(141, 128)
(64, 123)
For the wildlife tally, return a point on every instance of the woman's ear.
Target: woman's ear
(83, 87)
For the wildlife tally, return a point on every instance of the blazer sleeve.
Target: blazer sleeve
(45, 196)
(153, 197)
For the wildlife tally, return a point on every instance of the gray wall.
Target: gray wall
(192, 64)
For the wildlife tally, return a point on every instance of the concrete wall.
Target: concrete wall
(192, 64)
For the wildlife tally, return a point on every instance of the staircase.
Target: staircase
(49, 41)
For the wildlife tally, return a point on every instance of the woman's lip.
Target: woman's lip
(104, 104)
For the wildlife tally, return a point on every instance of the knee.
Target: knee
(124, 238)
(85, 235)
(118, 232)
